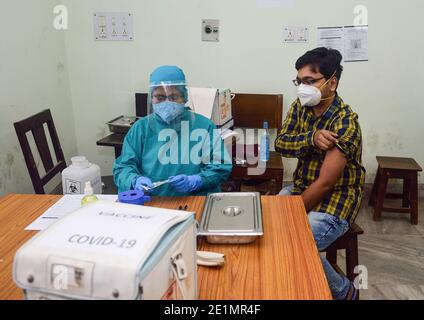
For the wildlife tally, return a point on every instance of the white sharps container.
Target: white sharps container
(78, 173)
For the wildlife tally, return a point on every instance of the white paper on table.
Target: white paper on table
(203, 100)
(65, 205)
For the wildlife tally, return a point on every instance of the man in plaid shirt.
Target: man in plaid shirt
(323, 133)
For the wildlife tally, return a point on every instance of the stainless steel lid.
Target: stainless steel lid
(123, 121)
(232, 214)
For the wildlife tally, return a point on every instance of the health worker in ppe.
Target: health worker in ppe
(172, 144)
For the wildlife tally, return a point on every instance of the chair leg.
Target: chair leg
(414, 198)
(406, 194)
(381, 193)
(331, 255)
(352, 259)
(373, 194)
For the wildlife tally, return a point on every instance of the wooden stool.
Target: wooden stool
(396, 168)
(349, 242)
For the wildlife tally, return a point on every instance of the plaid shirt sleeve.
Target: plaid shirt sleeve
(292, 143)
(347, 128)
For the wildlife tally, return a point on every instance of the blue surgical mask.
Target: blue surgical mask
(168, 111)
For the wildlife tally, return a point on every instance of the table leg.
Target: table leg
(414, 198)
(118, 150)
(381, 193)
(406, 194)
(279, 182)
(374, 188)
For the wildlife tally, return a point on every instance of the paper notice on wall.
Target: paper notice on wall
(355, 44)
(274, 3)
(351, 41)
(331, 37)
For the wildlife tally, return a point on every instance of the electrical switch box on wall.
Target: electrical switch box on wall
(295, 34)
(113, 26)
(210, 30)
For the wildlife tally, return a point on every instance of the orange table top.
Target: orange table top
(284, 264)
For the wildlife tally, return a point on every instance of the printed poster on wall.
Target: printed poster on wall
(351, 41)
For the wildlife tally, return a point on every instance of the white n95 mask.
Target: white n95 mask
(309, 96)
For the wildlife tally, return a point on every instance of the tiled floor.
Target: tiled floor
(392, 250)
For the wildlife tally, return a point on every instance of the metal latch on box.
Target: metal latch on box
(179, 266)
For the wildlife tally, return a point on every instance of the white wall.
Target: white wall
(103, 76)
(33, 77)
(385, 92)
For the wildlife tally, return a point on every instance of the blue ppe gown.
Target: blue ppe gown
(191, 146)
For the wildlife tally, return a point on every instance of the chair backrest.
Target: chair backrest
(141, 104)
(35, 124)
(251, 110)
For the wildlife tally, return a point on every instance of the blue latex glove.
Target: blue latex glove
(142, 181)
(183, 183)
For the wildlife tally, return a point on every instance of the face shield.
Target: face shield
(167, 91)
(168, 103)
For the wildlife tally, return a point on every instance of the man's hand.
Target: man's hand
(325, 140)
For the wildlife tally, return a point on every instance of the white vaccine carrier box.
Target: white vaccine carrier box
(109, 250)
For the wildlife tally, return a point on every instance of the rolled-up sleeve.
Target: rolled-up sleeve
(348, 129)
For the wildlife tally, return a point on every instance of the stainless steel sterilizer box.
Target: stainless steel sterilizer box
(232, 218)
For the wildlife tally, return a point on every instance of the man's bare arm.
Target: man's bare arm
(331, 170)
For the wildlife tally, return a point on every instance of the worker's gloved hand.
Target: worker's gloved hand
(142, 181)
(185, 184)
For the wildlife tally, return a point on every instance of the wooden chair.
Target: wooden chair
(251, 110)
(349, 243)
(141, 104)
(35, 124)
(396, 168)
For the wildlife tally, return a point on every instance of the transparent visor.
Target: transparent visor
(177, 93)
(165, 102)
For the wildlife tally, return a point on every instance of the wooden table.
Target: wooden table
(284, 264)
(115, 140)
(274, 171)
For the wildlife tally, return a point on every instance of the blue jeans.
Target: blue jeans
(326, 228)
